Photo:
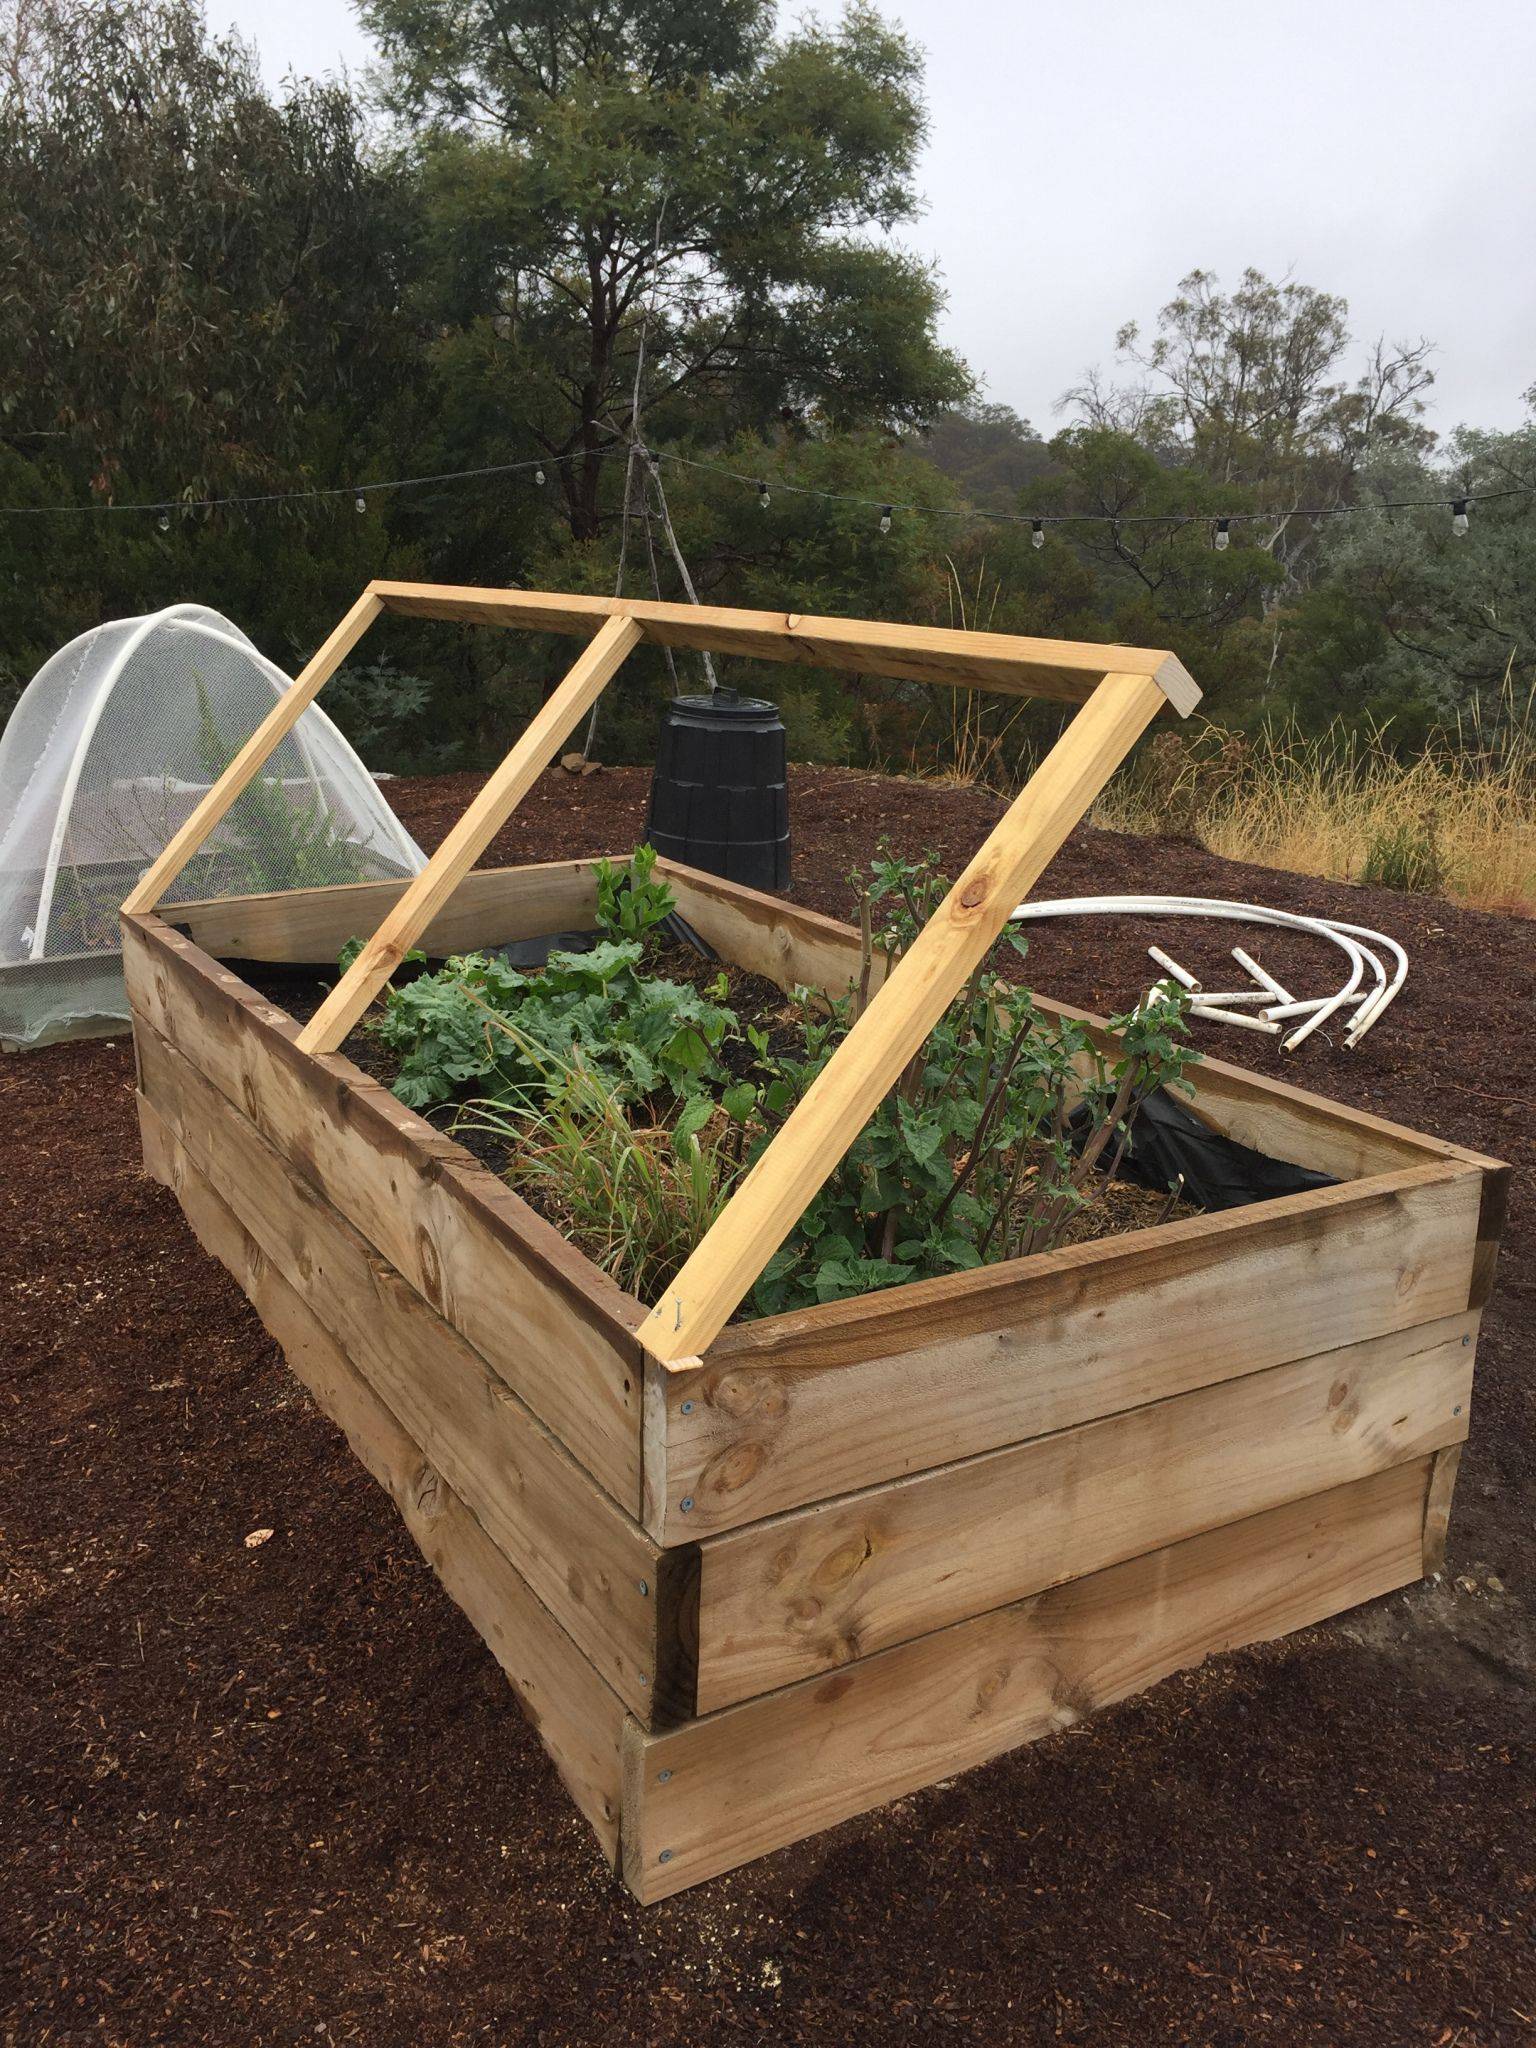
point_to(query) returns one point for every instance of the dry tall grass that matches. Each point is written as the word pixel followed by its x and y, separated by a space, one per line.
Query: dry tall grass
pixel 1458 819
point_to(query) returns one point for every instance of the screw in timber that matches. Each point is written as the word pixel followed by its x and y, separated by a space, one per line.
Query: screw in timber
pixel 1464 1343
pixel 1457 1409
pixel 685 1505
pixel 665 1856
pixel 645 1587
pixel 688 1405
pixel 663 1777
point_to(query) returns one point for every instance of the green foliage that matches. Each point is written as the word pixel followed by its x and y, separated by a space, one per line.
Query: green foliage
pixel 622 1117
pixel 630 901
pixel 585 169
pixel 1406 857
pixel 273 837
pixel 975 1154
pixel 635 1194
pixel 379 707
pixel 210 290
pixel 478 1023
pixel 230 291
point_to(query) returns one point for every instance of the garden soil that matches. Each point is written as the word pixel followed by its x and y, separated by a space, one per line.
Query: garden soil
pixel 263 1785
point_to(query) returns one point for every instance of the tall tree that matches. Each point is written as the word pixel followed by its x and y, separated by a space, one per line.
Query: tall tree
pixel 201 303
pixel 204 270
pixel 599 170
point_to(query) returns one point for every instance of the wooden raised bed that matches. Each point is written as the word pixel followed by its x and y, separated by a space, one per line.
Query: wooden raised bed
pixel 750 1579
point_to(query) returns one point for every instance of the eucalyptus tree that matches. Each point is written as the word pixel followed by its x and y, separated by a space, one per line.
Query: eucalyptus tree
pixel 596 172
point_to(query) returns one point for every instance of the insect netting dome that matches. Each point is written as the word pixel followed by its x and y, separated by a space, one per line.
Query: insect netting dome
pixel 110 747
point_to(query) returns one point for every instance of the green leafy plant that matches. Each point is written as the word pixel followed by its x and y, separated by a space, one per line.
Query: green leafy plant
pixel 631 903
pixel 987 1146
pixel 471 1024
pixel 1406 856
pixel 272 837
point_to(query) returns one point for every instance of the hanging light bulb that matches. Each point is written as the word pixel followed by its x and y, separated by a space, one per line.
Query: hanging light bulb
pixel 885 518
pixel 762 495
pixel 538 474
pixel 360 503
pixel 1459 517
pixel 1223 535
pixel 164 522
pixel 1037 533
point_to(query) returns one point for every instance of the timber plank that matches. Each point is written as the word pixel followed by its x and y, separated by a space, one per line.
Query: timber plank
pixel 782 942
pixel 491 907
pixel 1443 1469
pixel 504 789
pixel 594 1568
pixel 1007 662
pixel 709 1795
pixel 789 945
pixel 801 1407
pixel 555 1329
pixel 814 1590
pixel 577 1717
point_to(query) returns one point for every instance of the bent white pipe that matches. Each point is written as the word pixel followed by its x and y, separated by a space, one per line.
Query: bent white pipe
pixel 1354 941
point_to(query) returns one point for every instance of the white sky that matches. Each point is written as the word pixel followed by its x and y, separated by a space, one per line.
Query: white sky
pixel 1084 156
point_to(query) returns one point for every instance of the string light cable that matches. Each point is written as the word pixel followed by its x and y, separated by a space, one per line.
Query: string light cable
pixel 1456 503
pixel 885 510
pixel 359 493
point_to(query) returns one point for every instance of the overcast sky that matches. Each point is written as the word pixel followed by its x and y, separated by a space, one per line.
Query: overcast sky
pixel 1084 157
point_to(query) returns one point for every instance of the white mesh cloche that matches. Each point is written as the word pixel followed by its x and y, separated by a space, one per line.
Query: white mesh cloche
pixel 111 746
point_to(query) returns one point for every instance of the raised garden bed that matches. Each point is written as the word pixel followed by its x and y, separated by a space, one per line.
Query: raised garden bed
pixel 749 1588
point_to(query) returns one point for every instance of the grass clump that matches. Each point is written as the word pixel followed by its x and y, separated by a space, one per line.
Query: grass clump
pixel 1458 818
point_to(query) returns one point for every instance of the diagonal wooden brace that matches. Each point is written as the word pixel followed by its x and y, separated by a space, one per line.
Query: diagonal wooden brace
pixel 431 889
pixel 843 1097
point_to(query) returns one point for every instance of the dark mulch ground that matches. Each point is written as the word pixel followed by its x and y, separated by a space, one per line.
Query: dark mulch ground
pixel 280 1794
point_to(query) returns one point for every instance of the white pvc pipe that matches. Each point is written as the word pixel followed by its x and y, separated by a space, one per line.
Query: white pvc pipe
pixel 1179 973
pixel 1261 975
pixel 1220 1016
pixel 1368 1011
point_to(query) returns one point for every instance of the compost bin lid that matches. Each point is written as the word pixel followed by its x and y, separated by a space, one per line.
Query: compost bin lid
pixel 727 704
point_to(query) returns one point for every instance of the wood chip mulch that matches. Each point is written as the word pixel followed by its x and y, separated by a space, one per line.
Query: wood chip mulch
pixel 275 1791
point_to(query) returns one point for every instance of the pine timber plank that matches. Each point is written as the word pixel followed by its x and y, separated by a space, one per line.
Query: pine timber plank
pixel 715 1792
pixel 491 907
pixel 424 896
pixel 1443 1468
pixel 1063 669
pixel 781 941
pixel 790 945
pixel 577 1717
pixel 808 1592
pixel 801 1407
pixel 819 1129
pixel 584 1558
pixel 555 1329
pixel 253 756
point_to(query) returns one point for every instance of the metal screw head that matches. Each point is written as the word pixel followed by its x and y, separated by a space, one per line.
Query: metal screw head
pixel 1466 1340
pixel 688 1405
pixel 685 1505
pixel 1457 1409
pixel 665 1856
pixel 644 1585
pixel 663 1777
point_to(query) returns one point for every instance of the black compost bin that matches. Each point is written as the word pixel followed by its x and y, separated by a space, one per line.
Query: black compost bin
pixel 718 797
